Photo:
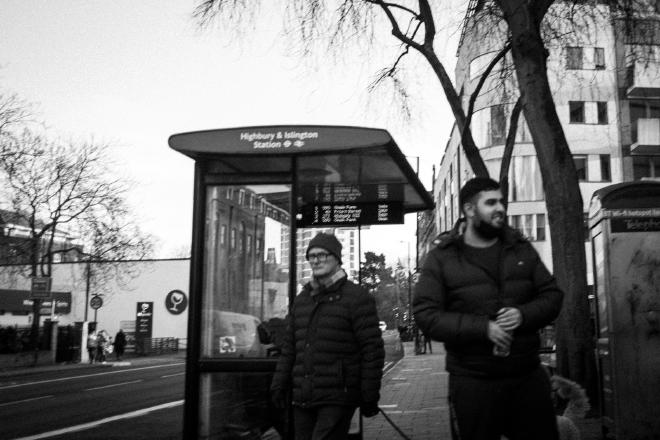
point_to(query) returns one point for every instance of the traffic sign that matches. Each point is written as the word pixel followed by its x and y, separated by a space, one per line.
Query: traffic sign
pixel 40 288
pixel 96 302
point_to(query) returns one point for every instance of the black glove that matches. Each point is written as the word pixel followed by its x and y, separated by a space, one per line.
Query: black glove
pixel 278 397
pixel 369 409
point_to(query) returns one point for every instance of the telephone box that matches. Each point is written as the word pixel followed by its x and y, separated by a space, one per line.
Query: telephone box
pixel 624 220
pixel 258 194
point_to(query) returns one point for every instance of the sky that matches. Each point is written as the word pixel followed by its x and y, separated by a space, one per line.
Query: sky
pixel 130 74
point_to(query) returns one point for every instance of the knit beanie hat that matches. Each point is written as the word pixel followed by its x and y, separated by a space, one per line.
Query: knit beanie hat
pixel 328 242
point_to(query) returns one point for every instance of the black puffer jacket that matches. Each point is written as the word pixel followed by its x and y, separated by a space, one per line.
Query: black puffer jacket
pixel 333 351
pixel 455 298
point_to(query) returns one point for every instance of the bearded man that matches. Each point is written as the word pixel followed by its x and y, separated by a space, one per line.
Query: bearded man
pixel 486 294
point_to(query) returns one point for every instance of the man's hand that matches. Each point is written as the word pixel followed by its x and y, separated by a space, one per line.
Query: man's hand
pixel 509 318
pixel 278 397
pixel 498 335
pixel 369 409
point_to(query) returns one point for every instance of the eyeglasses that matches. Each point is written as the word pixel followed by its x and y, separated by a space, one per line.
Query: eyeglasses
pixel 318 256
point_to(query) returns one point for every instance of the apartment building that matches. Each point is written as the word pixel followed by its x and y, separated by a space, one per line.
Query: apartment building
pixel 604 71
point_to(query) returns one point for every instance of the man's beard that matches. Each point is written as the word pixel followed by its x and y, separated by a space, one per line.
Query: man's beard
pixel 487 231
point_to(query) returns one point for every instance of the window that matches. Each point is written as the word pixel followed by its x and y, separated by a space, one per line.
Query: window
pixel 574 58
pixel 233 238
pixel 241 197
pixel 646 167
pixel 599 58
pixel 249 244
pixel 525 178
pixel 523 134
pixel 576 109
pixel 532 226
pixel 602 112
pixel 585 225
pixel 540 227
pixel 230 193
pixel 497 125
pixel 223 235
pixel 581 167
pixel 605 173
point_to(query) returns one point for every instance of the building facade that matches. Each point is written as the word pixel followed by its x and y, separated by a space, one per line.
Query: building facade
pixel 604 72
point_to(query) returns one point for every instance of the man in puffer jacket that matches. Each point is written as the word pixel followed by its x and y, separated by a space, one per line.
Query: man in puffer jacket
pixel 486 294
pixel 332 357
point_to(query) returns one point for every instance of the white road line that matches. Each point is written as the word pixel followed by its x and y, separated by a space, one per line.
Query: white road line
pixel 111 386
pixel 96 423
pixel 172 375
pixel 25 400
pixel 88 375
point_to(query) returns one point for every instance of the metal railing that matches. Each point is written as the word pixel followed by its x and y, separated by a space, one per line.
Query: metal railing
pixel 151 346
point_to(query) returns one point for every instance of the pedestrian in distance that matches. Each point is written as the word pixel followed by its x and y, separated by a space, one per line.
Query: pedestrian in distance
pixel 485 293
pixel 427 342
pixel 101 341
pixel 332 356
pixel 91 346
pixel 120 344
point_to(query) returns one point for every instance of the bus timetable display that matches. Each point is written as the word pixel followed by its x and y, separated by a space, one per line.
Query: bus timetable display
pixel 339 204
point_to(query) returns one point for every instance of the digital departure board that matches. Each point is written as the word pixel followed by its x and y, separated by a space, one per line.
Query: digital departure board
pixel 350 214
pixel 341 204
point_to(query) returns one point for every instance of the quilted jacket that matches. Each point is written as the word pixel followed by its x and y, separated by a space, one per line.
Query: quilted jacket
pixel 456 297
pixel 333 350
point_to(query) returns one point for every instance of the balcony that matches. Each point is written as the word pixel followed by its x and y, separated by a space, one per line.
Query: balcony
pixel 643 79
pixel 648 137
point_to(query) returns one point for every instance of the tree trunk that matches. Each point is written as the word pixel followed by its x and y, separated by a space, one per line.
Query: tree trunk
pixel 575 357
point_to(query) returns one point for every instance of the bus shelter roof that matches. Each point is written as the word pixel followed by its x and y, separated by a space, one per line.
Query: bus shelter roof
pixel 324 154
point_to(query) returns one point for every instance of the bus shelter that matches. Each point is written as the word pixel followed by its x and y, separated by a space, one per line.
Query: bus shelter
pixel 624 220
pixel 260 195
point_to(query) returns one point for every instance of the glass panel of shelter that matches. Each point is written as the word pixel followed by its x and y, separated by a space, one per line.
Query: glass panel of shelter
pixel 244 305
pixel 246 284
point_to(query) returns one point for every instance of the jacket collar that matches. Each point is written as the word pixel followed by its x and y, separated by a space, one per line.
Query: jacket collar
pixel 454 237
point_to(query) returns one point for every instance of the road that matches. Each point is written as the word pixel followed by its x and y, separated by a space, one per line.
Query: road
pixel 33 404
pixel 102 403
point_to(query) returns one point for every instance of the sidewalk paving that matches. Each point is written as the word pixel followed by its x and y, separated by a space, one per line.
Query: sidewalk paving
pixel 414 396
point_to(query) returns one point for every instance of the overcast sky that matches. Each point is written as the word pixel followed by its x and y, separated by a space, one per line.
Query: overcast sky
pixel 131 73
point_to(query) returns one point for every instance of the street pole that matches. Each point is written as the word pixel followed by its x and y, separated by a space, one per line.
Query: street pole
pixel 409 289
pixel 89 270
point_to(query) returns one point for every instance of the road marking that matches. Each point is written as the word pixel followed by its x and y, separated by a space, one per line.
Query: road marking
pixel 25 400
pixel 111 386
pixel 388 406
pixel 172 375
pixel 88 375
pixel 96 423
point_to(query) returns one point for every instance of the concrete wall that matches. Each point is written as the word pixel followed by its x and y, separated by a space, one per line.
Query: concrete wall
pixel 150 281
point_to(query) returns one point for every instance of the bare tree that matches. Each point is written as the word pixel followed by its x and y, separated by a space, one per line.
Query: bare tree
pixel 63 193
pixel 524 29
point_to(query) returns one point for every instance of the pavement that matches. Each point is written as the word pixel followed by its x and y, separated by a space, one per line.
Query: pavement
pixel 413 395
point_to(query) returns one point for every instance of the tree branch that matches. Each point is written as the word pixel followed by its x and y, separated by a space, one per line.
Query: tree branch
pixel 396 30
pixel 482 81
pixel 508 148
pixel 429 24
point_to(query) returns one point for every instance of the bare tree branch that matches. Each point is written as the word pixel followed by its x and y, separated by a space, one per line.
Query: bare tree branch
pixel 482 80
pixel 508 148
